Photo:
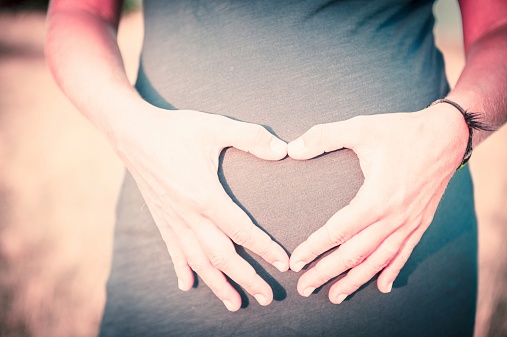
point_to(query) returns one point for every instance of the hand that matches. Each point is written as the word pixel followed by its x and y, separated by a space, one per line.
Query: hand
pixel 407 160
pixel 173 156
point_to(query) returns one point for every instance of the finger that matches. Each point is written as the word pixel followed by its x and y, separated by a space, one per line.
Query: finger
pixel 365 271
pixel 323 138
pixel 388 275
pixel 338 229
pixel 181 267
pixel 223 256
pixel 183 271
pixel 349 255
pixel 211 276
pixel 253 138
pixel 238 226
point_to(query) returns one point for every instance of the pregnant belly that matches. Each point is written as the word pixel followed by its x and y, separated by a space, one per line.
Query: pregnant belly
pixel 289 200
pixel 288 93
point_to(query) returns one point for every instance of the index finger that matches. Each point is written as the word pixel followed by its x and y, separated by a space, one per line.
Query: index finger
pixel 238 226
pixel 343 225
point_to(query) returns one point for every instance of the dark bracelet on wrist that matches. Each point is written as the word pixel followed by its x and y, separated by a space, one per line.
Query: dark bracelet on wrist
pixel 472 121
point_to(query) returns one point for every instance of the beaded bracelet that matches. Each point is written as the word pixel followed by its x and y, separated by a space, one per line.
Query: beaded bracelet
pixel 471 119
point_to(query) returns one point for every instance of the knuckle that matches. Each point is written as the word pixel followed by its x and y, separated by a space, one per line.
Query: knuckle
pixel 242 237
pixel 389 251
pixel 335 237
pixel 219 261
pixel 354 283
pixel 380 265
pixel 352 261
pixel 197 266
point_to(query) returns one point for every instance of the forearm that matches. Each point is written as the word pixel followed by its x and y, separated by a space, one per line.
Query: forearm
pixel 482 86
pixel 85 60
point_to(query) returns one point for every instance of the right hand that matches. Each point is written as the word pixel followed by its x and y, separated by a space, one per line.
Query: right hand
pixel 173 156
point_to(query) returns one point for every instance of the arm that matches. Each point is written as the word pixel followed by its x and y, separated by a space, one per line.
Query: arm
pixel 482 86
pixel 407 160
pixel 86 63
pixel 173 155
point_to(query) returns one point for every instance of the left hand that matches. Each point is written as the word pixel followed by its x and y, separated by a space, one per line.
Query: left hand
pixel 407 160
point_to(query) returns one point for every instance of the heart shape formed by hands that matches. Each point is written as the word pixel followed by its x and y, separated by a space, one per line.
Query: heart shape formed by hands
pixel 289 199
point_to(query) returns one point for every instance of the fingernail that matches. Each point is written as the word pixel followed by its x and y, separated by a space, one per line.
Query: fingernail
pixel 180 285
pixel 389 287
pixel 280 266
pixel 298 144
pixel 308 291
pixel 340 298
pixel 228 305
pixel 298 266
pixel 261 299
pixel 277 146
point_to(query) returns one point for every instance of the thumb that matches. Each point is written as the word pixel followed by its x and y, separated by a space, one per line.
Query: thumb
pixel 321 138
pixel 255 139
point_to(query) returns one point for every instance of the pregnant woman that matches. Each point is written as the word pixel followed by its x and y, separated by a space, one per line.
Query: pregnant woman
pixel 273 135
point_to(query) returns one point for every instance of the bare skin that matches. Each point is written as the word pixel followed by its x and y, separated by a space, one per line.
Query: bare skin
pixel 407 159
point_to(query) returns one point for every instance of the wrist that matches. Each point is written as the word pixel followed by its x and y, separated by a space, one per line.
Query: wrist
pixel 451 128
pixel 473 122
pixel 468 119
pixel 118 115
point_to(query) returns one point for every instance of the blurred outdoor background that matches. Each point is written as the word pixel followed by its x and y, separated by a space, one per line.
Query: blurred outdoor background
pixel 59 182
